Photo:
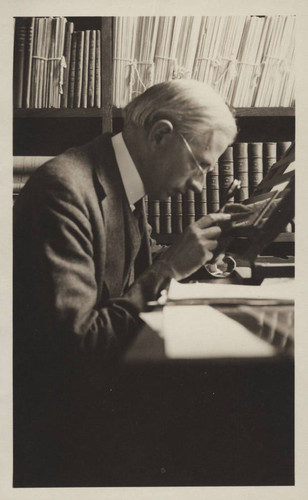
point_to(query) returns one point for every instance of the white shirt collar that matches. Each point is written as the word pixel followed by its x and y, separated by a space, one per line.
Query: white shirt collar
pixel 131 179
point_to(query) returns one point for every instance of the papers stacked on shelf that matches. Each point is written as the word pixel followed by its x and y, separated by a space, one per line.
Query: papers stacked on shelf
pixel 249 60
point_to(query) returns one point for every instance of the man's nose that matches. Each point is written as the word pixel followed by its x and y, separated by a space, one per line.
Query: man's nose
pixel 197 185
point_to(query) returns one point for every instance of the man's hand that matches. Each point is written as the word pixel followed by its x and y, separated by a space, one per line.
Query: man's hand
pixel 236 208
pixel 196 246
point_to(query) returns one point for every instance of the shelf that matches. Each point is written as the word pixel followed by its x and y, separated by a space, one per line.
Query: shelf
pixel 61 113
pixel 117 112
pixel 242 112
pixel 264 112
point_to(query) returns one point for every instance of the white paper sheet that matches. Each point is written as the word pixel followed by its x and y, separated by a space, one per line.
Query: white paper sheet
pixel 270 289
pixel 204 332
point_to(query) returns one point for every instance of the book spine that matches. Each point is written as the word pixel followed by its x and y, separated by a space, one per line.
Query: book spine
pixel 212 190
pixel 79 68
pixel 23 168
pixel 255 162
pixel 189 214
pixel 85 70
pixel 240 158
pixel 71 87
pixel 19 60
pixel 34 75
pixel 28 64
pixel 146 206
pixel 282 147
pixel 18 185
pixel 177 213
pixel 154 215
pixel 59 68
pixel 98 72
pixel 269 156
pixel 26 165
pixel 19 181
pixel 67 54
pixel 165 211
pixel 201 202
pixel 91 75
pixel 43 46
pixel 50 73
pixel 226 173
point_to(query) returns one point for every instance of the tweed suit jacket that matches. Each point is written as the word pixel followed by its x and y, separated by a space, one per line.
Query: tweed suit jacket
pixel 77 249
pixel 82 274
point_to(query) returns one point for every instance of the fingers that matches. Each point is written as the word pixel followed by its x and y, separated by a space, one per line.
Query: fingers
pixel 211 245
pixel 232 208
pixel 212 219
pixel 212 233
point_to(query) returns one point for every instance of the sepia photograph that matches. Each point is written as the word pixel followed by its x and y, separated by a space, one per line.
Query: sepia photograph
pixel 153 250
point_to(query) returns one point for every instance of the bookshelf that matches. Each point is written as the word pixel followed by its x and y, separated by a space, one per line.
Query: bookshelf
pixel 49 131
pixel 117 112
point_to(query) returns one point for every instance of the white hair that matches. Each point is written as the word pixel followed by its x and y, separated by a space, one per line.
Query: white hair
pixel 191 106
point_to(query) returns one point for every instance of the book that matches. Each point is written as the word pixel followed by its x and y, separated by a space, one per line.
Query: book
pixel 189 214
pixel 269 156
pixel 282 147
pixel 44 36
pixel 72 71
pixel 19 60
pixel 165 216
pixel 85 70
pixel 98 73
pixel 26 165
pixel 23 168
pixel 35 63
pixel 19 182
pixel 201 202
pixel 255 162
pixel 226 174
pixel 67 54
pixel 154 214
pixel 59 63
pixel 28 63
pixel 146 206
pixel 91 73
pixel 177 213
pixel 240 158
pixel 78 69
pixel 212 190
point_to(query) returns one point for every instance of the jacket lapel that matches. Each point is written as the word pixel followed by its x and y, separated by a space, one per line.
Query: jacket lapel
pixel 122 229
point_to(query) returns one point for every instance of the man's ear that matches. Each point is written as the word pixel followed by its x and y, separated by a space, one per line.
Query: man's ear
pixel 160 131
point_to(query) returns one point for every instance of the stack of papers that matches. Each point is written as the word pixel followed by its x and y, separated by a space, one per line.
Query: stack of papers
pixel 271 289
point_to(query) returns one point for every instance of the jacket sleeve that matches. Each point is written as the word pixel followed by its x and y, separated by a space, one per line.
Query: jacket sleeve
pixel 62 245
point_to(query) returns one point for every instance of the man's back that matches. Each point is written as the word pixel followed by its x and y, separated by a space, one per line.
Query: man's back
pixel 73 252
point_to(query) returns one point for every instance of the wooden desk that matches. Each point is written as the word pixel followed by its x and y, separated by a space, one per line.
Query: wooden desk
pixel 203 422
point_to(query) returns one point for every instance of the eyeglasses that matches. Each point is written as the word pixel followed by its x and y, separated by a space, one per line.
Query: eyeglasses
pixel 202 170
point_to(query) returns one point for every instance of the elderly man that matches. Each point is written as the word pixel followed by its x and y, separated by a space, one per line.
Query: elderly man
pixel 83 268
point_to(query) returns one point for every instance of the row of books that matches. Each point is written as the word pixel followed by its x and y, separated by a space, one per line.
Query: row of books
pixel 249 60
pixel 55 66
pixel 247 162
